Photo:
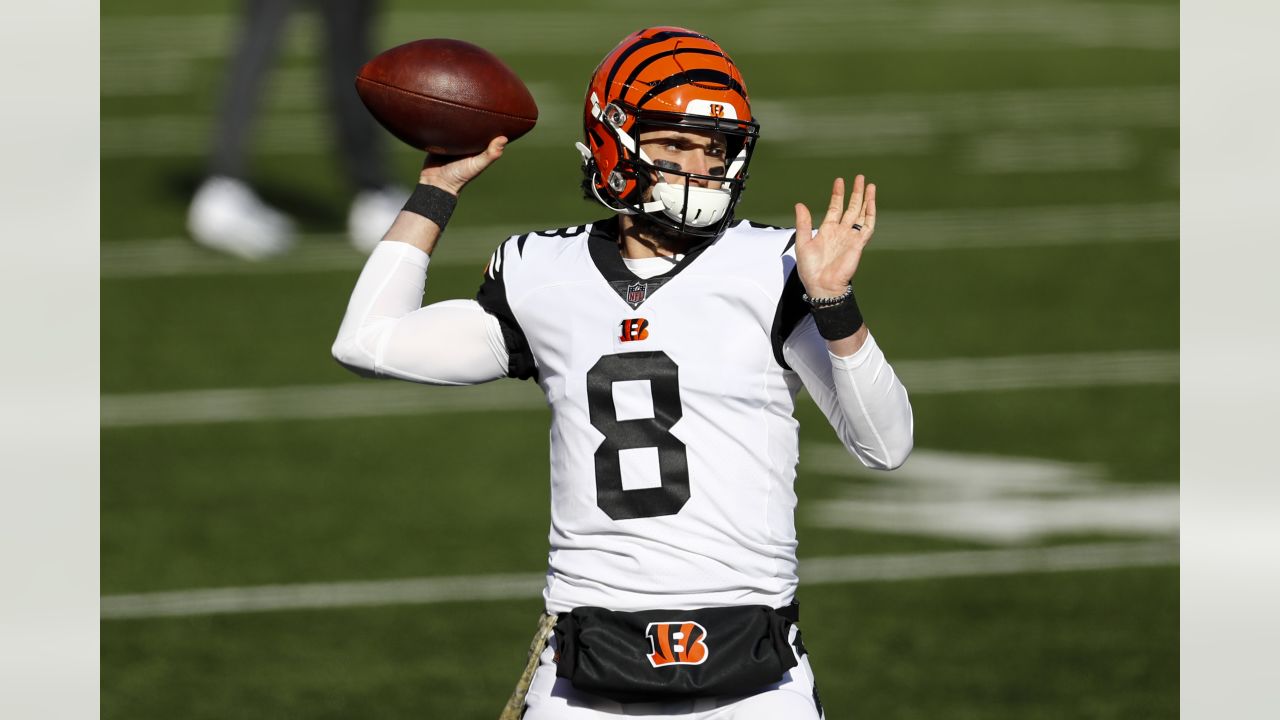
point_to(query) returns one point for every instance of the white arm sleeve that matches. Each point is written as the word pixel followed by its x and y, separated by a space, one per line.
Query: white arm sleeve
pixel 860 395
pixel 387 333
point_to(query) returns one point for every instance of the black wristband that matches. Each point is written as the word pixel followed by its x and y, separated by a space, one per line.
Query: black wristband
pixel 839 321
pixel 432 203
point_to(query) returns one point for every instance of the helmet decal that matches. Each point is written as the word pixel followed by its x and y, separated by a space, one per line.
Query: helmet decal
pixel 718 110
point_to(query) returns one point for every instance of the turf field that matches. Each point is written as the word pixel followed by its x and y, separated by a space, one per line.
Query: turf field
pixel 282 539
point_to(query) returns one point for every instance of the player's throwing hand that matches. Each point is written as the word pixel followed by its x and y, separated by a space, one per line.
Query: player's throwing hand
pixel 452 172
pixel 827 260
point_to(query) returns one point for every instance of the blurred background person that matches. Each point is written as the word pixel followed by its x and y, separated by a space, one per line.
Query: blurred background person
pixel 226 213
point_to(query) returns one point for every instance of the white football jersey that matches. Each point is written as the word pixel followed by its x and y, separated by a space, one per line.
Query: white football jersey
pixel 673 445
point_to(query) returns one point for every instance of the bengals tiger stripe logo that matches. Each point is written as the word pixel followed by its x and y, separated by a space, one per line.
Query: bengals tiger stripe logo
pixel 633 329
pixel 677 643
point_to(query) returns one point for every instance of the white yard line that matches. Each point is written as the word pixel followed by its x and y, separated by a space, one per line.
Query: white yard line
pixel 378 399
pixel 321 595
pixel 313 402
pixel 987 228
pixel 1027 372
pixel 1005 153
pixel 474 588
pixel 913 123
pixel 178 256
pixel 991 499
pixel 887 123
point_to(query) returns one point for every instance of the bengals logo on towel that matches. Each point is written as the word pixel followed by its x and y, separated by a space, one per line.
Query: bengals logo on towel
pixel 676 643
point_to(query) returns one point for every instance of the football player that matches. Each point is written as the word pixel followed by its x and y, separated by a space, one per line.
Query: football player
pixel 671 339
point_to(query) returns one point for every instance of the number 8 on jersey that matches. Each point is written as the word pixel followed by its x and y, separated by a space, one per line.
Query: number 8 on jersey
pixel 673 463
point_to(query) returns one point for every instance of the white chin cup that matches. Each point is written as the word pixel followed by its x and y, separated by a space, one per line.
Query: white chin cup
pixel 706 206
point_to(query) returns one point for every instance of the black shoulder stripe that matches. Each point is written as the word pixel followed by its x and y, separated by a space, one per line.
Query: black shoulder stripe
pixel 790 243
pixel 791 310
pixel 492 296
pixel 564 232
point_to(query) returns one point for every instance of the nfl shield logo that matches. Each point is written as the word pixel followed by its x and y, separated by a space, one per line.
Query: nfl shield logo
pixel 636 293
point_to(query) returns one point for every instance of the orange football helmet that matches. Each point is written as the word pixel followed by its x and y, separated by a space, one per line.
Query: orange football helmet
pixel 666 78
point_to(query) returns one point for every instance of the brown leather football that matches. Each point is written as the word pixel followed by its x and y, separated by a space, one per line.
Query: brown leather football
pixel 446 96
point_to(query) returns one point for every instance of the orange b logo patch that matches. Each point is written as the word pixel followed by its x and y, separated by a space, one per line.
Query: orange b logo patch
pixel 633 329
pixel 677 643
pixel 717 110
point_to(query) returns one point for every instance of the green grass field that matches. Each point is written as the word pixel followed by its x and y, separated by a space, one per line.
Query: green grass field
pixel 1023 279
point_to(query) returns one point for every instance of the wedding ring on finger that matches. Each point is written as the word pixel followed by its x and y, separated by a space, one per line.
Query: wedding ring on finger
pixel 856 226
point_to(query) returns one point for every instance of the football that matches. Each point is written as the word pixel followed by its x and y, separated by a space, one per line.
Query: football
pixel 446 96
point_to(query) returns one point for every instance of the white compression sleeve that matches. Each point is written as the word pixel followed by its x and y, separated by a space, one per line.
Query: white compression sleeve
pixel 861 396
pixel 387 333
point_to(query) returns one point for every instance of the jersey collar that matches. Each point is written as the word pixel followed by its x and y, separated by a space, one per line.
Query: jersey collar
pixel 631 288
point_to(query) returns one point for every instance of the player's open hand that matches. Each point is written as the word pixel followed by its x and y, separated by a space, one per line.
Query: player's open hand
pixel 453 172
pixel 827 260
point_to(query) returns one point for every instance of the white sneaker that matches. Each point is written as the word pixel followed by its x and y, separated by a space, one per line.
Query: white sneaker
pixel 227 215
pixel 371 215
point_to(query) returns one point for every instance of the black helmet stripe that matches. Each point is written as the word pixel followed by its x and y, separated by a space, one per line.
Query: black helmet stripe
pixel 645 42
pixel 596 136
pixel 678 51
pixel 692 77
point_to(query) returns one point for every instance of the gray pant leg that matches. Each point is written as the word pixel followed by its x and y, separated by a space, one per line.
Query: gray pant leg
pixel 260 33
pixel 348 29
